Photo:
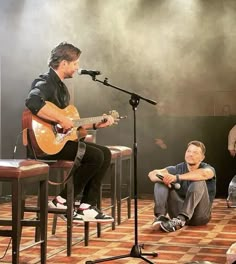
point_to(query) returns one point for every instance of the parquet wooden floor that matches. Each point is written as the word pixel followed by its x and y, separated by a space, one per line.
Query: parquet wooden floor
pixel 203 243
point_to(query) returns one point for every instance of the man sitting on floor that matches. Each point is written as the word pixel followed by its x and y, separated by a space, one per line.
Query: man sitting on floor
pixel 189 203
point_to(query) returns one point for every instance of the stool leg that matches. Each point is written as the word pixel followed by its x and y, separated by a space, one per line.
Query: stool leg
pixel 86 233
pixel 86 228
pixel 129 187
pixel 113 193
pixel 118 190
pixel 125 164
pixel 38 228
pixel 62 173
pixel 54 224
pixel 16 219
pixel 70 208
pixel 43 219
pixel 23 202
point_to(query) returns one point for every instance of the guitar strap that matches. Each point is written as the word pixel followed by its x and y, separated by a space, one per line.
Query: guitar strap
pixel 77 162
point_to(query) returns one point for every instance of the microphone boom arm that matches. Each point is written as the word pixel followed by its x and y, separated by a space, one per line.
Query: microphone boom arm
pixel 134 97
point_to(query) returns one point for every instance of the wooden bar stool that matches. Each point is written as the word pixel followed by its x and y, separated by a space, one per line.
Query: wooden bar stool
pixel 91 137
pixel 124 179
pixel 20 173
pixel 63 166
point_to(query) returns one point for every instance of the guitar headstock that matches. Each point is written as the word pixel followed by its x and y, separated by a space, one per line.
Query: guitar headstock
pixel 116 116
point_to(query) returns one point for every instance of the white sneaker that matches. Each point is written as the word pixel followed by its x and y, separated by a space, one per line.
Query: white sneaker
pixel 58 202
pixel 76 218
pixel 93 214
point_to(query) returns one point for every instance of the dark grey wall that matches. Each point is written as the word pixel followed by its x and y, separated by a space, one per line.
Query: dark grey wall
pixel 179 52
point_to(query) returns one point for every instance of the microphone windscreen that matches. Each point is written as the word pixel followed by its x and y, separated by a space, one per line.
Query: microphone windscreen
pixel 80 71
pixel 177 186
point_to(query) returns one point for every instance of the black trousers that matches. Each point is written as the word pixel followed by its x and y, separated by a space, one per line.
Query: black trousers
pixel 88 177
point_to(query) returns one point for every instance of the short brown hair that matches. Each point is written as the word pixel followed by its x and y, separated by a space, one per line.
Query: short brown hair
pixel 63 51
pixel 198 144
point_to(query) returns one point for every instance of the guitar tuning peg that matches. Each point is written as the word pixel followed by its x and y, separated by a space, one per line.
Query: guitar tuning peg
pixel 123 117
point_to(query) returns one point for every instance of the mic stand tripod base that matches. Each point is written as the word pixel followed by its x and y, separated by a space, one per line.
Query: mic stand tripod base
pixel 134 253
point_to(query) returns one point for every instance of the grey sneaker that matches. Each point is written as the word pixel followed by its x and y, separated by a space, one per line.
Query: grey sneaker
pixel 157 221
pixel 172 225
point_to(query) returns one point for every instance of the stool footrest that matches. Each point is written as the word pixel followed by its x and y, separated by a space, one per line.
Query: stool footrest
pixel 57 211
pixel 6 233
pixel 24 222
pixel 31 209
pixel 108 207
pixel 5 222
pixel 50 210
pixel 125 198
pixel 30 222
pixel 32 245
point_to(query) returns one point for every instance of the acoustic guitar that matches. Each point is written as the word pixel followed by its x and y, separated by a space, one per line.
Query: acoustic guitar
pixel 47 137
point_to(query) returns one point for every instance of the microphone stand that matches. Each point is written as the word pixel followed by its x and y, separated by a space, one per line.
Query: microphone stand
pixel 136 251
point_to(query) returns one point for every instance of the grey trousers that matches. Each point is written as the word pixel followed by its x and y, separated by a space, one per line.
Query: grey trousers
pixel 196 206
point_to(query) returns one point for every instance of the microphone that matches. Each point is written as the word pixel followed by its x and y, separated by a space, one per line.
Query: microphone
pixel 175 185
pixel 88 72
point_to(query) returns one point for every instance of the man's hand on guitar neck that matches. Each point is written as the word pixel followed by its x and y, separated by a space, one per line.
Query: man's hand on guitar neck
pixel 107 121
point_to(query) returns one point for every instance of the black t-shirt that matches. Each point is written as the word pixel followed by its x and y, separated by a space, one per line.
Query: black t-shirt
pixel 47 87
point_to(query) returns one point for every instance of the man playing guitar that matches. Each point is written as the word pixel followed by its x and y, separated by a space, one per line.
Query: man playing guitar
pixel 47 100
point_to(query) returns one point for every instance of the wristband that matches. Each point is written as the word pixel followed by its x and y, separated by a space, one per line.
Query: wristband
pixel 177 177
pixel 94 126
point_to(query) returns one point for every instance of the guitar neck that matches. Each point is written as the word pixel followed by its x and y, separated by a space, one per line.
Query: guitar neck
pixel 87 121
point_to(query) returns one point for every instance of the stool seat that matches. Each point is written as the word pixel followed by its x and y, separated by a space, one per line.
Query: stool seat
pixel 115 153
pixel 66 164
pixel 10 168
pixel 124 151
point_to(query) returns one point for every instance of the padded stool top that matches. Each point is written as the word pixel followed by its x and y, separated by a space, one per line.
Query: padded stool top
pixel 59 163
pixel 21 168
pixel 115 153
pixel 125 151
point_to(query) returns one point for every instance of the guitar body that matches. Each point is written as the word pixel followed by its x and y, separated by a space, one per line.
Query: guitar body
pixel 47 138
pixel 43 136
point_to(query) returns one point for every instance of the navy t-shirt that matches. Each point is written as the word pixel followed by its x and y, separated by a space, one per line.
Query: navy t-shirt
pixel 182 168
